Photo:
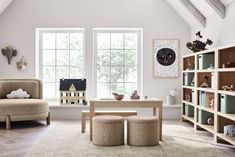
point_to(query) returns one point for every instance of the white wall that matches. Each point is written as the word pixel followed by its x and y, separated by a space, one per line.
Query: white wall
pixel 156 17
pixel 221 31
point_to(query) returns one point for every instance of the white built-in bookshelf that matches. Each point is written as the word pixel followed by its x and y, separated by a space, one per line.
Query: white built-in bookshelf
pixel 217 66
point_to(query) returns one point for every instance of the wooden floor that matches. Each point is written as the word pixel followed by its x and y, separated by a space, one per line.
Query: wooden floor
pixel 23 135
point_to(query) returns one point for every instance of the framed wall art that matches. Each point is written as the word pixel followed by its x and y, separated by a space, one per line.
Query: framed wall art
pixel 165 58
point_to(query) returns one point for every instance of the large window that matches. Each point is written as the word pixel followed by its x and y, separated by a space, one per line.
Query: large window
pixel 61 55
pixel 117 61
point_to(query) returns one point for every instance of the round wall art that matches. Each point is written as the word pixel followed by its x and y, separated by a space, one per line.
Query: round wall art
pixel 165 58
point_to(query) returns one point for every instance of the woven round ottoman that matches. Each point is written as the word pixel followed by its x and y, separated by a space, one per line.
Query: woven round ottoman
pixel 142 131
pixel 108 130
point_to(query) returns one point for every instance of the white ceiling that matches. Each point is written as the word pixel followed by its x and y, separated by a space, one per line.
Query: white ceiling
pixel 226 2
pixel 4 4
pixel 201 5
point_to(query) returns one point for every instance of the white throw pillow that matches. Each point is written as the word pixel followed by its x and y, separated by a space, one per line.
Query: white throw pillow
pixel 18 94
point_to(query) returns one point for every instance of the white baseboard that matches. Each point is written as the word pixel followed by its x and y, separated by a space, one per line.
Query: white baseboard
pixel 66 112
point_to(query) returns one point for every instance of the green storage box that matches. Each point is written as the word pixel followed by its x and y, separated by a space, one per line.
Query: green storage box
pixel 227 103
pixel 188 79
pixel 189 111
pixel 203 116
pixel 205 61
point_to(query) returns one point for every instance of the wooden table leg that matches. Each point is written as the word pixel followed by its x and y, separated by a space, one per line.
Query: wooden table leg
pixel 83 122
pixel 155 114
pixel 154 111
pixel 160 120
pixel 92 114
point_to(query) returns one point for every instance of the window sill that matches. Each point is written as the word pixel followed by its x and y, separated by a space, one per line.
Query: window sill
pixel 58 105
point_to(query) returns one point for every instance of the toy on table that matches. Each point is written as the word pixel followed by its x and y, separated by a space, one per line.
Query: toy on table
pixel 134 95
pixel 118 96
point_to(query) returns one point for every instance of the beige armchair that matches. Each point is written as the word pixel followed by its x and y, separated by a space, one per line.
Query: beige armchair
pixel 33 108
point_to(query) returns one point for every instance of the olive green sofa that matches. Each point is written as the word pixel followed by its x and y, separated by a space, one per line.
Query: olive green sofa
pixel 33 108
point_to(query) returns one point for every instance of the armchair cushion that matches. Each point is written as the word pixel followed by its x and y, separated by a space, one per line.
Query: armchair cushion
pixel 23 106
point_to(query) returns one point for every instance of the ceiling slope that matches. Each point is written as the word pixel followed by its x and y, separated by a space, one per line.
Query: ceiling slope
pixel 195 12
pixel 4 4
pixel 185 12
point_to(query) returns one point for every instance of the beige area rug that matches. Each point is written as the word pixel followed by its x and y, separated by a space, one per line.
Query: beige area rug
pixel 67 141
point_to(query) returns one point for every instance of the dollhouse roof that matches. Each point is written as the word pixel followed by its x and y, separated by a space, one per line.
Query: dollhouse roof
pixel 79 84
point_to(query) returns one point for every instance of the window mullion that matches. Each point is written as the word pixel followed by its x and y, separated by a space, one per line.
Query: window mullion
pixel 124 59
pixel 69 58
pixel 55 63
pixel 110 71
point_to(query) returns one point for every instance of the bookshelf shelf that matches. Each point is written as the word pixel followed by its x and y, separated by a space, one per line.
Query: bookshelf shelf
pixel 188 103
pixel 205 71
pixel 227 115
pixel 206 89
pixel 219 69
pixel 232 93
pixel 226 70
pixel 191 119
pixel 209 128
pixel 231 140
pixel 188 87
pixel 206 109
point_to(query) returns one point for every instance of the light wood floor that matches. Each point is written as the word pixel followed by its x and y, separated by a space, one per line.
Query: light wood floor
pixel 23 135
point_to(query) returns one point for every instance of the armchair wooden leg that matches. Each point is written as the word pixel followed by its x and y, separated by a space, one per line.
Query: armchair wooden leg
pixel 49 119
pixel 83 122
pixel 8 122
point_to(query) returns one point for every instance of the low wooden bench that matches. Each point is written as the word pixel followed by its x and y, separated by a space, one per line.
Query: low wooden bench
pixel 124 113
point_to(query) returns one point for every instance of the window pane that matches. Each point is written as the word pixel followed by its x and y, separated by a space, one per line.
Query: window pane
pixel 129 88
pixel 117 88
pixel 49 73
pixel 103 57
pixel 62 41
pixel 62 57
pixel 62 72
pixel 117 62
pixel 76 57
pixel 75 72
pixel 117 41
pixel 117 74
pixel 131 41
pixel 49 90
pixel 131 57
pixel 117 57
pixel 76 41
pixel 103 41
pixel 103 73
pixel 57 89
pixel 48 41
pixel 103 90
pixel 130 74
pixel 48 57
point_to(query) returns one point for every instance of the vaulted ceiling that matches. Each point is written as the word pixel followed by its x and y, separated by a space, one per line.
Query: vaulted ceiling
pixel 196 12
pixel 4 4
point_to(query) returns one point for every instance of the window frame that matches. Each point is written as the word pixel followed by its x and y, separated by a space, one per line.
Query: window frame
pixel 139 32
pixel 39 47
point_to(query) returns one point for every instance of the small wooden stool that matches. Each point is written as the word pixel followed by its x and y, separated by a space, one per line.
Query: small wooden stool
pixel 108 130
pixel 124 113
pixel 142 131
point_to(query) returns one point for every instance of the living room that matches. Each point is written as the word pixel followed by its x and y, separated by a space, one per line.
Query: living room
pixel 160 73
